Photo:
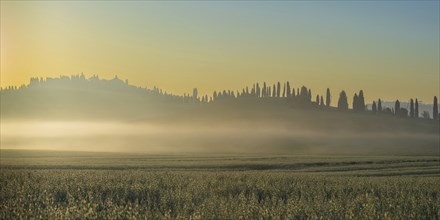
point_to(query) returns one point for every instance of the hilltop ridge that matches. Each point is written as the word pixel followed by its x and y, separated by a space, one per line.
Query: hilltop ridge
pixel 226 122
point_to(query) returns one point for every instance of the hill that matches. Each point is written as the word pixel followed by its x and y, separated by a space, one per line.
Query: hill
pixel 111 115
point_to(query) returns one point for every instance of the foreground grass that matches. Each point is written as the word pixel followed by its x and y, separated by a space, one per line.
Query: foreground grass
pixel 218 187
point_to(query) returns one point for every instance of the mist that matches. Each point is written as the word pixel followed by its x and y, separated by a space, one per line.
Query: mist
pixel 205 138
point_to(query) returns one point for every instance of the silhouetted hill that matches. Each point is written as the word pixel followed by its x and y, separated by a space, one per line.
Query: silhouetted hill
pixel 247 121
pixel 77 97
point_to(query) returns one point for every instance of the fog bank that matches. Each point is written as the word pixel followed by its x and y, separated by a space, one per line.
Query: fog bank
pixel 227 137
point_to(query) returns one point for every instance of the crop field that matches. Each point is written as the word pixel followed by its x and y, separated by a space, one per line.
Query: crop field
pixel 71 185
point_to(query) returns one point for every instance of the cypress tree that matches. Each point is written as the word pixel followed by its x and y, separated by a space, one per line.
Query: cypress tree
pixel 288 89
pixel 374 108
pixel 284 90
pixel 258 90
pixel 322 100
pixel 309 97
pixel 264 89
pixel 342 102
pixel 355 103
pixel 416 110
pixel 278 89
pixel 214 96
pixel 379 106
pixel 304 94
pixel 361 101
pixel 317 99
pixel 435 110
pixel 411 108
pixel 328 98
pixel 274 90
pixel 195 95
pixel 396 107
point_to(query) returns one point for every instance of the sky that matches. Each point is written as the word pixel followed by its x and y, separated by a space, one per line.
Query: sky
pixel 390 49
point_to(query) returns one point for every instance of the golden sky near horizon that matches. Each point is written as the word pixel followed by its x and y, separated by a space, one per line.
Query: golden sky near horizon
pixel 388 49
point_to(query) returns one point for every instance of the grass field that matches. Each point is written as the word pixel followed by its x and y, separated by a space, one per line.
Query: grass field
pixel 60 185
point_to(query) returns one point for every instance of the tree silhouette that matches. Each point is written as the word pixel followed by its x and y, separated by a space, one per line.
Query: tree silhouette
pixel 379 106
pixel 195 94
pixel 303 95
pixel 278 89
pixel 355 103
pixel 274 90
pixel 374 107
pixel 361 101
pixel 258 90
pixel 435 110
pixel 288 89
pixel 328 98
pixel 416 110
pixel 284 90
pixel 411 108
pixel 309 95
pixel 342 102
pixel 396 107
pixel 214 96
pixel 264 89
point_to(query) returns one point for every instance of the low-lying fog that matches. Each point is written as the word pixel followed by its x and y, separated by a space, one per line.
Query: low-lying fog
pixel 276 138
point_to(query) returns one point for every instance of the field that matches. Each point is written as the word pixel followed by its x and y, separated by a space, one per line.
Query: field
pixel 60 185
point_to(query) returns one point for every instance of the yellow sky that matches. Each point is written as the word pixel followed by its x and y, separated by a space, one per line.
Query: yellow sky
pixel 228 45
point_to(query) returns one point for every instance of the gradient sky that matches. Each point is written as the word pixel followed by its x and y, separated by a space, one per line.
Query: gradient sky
pixel 389 49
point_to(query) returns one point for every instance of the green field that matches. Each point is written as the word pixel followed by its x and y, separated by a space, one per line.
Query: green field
pixel 60 185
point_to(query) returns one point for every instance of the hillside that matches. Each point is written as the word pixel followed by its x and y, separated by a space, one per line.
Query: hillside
pixel 111 115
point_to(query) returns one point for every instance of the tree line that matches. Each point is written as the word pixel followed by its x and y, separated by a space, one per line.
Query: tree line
pixel 303 96
pixel 300 96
